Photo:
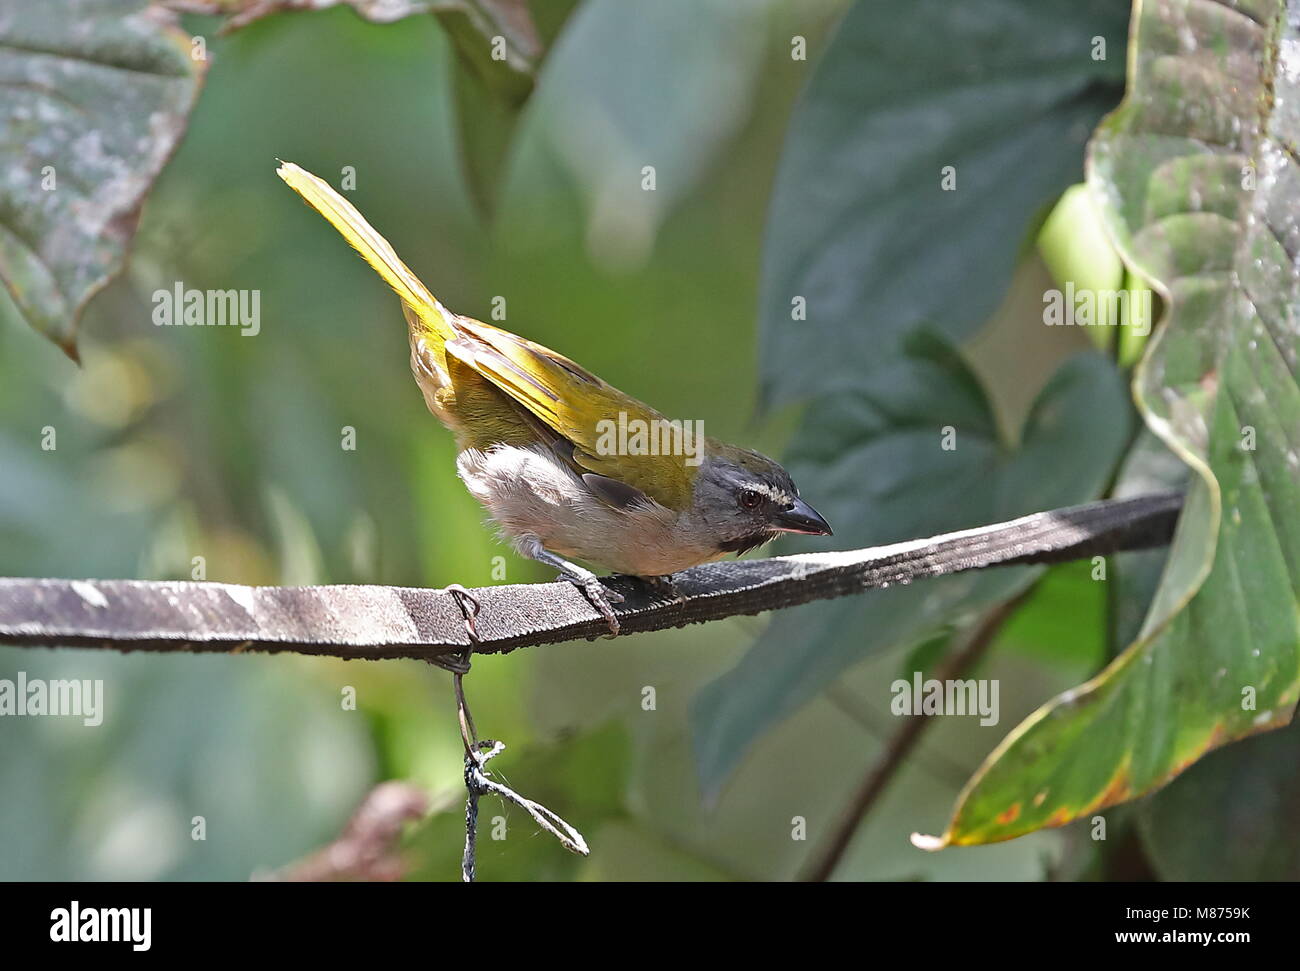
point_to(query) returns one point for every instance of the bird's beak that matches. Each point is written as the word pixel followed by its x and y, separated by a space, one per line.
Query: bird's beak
pixel 801 518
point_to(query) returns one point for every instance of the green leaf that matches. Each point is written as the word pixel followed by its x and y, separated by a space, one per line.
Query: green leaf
pixel 490 90
pixel 1135 575
pixel 634 145
pixel 877 455
pixel 96 94
pixel 1062 621
pixel 1235 815
pixel 498 42
pixel 1210 115
pixel 499 45
pixel 861 228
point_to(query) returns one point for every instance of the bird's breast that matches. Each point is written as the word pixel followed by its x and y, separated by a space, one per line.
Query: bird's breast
pixel 528 491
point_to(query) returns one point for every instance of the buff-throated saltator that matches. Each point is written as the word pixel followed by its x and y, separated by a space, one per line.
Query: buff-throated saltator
pixel 526 421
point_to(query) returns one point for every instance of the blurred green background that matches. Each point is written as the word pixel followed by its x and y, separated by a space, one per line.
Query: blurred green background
pixel 182 442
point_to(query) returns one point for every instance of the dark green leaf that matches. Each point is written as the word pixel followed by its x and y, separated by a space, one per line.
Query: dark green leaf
pixel 876 456
pixel 1233 816
pixel 1003 91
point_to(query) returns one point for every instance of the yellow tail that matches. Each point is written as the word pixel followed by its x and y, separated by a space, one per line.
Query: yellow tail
pixel 376 250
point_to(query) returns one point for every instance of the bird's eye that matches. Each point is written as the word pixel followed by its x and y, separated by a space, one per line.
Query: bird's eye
pixel 750 499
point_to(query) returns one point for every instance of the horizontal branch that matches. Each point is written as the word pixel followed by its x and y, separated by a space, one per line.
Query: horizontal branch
pixel 391 622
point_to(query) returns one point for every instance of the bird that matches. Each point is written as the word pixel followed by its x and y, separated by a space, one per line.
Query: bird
pixel 565 464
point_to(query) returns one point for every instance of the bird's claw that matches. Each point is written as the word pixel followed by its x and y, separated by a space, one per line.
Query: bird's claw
pixel 601 597
pixel 665 587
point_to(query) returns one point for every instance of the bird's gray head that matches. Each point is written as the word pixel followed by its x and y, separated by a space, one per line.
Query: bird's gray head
pixel 744 499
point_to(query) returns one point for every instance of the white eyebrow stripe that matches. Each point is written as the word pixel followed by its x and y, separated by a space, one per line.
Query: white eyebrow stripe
pixel 776 495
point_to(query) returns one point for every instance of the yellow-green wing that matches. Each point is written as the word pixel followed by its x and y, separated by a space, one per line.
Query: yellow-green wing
pixel 576 405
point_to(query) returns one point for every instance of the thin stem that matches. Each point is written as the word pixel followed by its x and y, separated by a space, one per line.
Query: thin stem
pixel 877 779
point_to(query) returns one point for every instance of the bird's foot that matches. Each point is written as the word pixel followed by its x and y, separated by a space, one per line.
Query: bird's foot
pixel 600 596
pixel 665 587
